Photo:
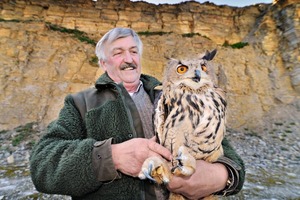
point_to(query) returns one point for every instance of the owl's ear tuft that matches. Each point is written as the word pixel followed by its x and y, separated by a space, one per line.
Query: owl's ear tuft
pixel 210 55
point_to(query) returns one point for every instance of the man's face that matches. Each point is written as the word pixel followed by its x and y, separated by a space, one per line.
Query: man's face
pixel 122 61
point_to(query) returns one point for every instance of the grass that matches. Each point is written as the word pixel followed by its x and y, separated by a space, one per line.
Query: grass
pixel 81 36
pixel 3 131
pixel 278 123
pixel 238 45
pixel 190 35
pixel 13 171
pixel 288 131
pixel 148 33
pixel 10 20
pixel 253 134
pixel 94 60
pixel 23 132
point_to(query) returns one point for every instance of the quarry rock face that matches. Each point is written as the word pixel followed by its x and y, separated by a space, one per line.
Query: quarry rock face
pixel 40 65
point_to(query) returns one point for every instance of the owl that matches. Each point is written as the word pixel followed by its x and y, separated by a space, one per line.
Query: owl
pixel 189 119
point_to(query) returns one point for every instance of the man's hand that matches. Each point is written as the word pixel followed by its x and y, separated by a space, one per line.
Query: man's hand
pixel 207 179
pixel 130 155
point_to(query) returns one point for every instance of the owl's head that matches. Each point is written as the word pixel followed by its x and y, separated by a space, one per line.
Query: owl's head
pixel 191 73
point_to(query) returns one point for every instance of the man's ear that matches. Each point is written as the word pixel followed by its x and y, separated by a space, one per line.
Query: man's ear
pixel 102 64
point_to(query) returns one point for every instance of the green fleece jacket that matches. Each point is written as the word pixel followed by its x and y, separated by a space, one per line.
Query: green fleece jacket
pixel 63 161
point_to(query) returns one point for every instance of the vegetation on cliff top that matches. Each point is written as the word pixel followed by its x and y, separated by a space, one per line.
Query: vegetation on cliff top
pixel 237 45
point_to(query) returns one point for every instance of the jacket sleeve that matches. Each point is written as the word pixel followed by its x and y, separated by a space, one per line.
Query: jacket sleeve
pixel 62 161
pixel 235 167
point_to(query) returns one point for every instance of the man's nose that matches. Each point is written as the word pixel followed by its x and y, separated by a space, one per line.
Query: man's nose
pixel 127 57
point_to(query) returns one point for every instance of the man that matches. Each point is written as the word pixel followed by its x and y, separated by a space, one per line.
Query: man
pixel 96 147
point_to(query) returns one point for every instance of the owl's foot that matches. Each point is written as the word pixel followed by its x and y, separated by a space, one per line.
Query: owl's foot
pixel 155 169
pixel 186 163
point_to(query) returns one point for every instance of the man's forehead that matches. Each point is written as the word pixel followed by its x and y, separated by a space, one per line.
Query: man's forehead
pixel 123 48
pixel 123 43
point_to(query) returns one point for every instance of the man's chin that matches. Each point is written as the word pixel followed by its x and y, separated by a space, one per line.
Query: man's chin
pixel 131 73
pixel 131 79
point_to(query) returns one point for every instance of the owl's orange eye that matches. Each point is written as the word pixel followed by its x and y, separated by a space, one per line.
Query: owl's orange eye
pixel 204 68
pixel 181 69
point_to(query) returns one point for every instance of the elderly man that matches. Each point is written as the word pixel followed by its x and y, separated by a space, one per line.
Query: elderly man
pixel 96 147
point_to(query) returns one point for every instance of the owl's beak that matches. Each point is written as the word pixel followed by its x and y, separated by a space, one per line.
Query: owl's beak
pixel 197 76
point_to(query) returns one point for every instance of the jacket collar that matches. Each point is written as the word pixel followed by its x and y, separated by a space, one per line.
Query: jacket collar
pixel 149 82
pixel 103 79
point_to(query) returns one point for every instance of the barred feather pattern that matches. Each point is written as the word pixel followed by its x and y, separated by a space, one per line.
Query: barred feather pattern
pixel 193 118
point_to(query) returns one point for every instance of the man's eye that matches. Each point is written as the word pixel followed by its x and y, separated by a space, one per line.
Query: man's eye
pixel 117 53
pixel 134 51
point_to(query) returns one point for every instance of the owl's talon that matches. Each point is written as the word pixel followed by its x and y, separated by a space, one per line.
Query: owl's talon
pixel 175 169
pixel 156 170
pixel 149 177
pixel 148 172
pixel 186 163
pixel 180 158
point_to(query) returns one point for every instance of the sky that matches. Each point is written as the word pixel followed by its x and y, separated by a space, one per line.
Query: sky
pixel 236 3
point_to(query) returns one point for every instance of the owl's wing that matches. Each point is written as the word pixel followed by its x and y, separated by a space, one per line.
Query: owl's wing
pixel 159 119
pixel 210 132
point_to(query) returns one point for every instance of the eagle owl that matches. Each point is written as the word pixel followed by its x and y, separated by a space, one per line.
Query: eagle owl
pixel 189 119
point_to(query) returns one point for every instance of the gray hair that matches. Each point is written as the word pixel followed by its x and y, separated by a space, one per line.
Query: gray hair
pixel 113 35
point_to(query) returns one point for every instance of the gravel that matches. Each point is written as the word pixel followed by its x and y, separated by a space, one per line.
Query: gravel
pixel 271 158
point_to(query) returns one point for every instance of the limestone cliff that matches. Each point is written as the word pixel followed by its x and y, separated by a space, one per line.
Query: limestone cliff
pixel 41 64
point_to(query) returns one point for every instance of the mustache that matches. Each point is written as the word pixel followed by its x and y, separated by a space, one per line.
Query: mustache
pixel 128 65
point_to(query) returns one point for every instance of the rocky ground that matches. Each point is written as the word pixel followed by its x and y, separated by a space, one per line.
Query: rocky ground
pixel 272 162
pixel 271 157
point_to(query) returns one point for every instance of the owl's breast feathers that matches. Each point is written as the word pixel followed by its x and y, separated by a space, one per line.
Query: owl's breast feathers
pixel 195 119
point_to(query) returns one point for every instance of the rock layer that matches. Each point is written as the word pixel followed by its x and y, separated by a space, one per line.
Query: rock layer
pixel 39 65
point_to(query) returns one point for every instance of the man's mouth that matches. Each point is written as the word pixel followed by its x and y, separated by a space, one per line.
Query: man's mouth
pixel 128 67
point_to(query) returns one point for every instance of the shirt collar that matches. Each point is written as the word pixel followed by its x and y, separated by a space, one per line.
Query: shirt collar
pixel 137 89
